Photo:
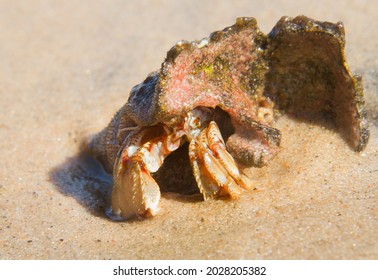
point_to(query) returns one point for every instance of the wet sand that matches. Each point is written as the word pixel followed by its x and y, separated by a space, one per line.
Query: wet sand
pixel 67 66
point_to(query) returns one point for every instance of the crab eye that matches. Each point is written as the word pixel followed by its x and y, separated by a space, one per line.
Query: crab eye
pixel 195 123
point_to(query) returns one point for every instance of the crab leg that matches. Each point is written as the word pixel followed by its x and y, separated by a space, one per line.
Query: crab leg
pixel 135 192
pixel 217 145
pixel 214 168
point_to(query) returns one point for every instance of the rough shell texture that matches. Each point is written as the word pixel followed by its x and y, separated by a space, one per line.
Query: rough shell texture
pixel 298 68
pixel 309 78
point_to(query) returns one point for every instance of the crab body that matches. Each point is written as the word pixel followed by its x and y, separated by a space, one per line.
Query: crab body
pixel 249 77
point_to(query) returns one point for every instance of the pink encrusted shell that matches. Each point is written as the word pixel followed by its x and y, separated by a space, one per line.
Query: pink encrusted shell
pixel 298 68
pixel 248 77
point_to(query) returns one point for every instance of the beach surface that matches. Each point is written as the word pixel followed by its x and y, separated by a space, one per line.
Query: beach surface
pixel 67 66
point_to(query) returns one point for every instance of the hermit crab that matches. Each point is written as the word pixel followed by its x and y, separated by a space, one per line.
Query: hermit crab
pixel 221 95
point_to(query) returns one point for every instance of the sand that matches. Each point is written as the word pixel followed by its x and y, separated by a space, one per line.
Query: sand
pixel 67 66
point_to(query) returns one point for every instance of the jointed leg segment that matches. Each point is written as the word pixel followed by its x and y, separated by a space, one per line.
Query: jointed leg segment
pixel 215 170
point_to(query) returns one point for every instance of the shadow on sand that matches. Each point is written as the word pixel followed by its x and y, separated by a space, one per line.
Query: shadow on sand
pixel 83 178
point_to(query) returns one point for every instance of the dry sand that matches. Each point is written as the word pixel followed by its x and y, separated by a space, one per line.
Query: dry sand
pixel 67 66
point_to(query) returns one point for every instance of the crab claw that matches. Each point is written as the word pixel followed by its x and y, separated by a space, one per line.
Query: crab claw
pixel 214 168
pixel 135 192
